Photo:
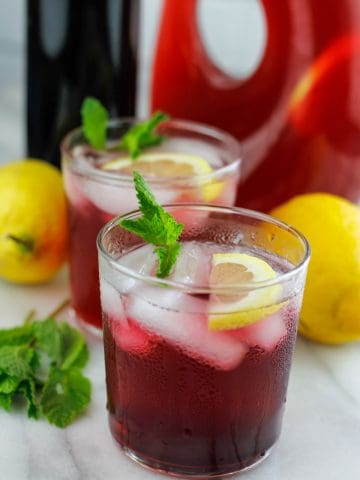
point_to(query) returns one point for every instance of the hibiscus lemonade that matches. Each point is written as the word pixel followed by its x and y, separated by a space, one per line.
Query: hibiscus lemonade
pixel 194 163
pixel 296 114
pixel 197 364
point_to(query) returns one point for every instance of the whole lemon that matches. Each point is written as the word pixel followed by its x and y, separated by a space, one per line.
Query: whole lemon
pixel 33 221
pixel 331 306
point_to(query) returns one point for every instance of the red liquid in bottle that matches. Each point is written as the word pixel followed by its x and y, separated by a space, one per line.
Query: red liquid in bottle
pixel 297 116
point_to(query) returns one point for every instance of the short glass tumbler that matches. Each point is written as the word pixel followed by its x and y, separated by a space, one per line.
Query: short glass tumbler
pixel 95 195
pixel 188 395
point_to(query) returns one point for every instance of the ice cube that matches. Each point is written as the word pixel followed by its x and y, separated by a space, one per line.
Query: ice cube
pixel 127 335
pixel 266 333
pixel 112 199
pixel 110 300
pixel 182 321
pixel 141 261
pixel 165 195
pixel 192 265
pixel 117 199
pixel 131 337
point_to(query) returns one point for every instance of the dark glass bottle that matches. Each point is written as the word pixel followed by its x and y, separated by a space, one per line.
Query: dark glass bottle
pixel 74 49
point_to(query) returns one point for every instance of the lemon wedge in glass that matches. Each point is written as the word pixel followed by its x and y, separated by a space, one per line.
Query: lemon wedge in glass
pixel 231 309
pixel 170 164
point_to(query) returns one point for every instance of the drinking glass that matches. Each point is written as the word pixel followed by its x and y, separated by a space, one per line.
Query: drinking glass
pixel 197 373
pixel 95 195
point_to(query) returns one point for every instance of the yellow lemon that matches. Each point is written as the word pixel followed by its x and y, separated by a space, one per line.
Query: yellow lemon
pixel 331 306
pixel 33 221
pixel 230 309
pixel 171 164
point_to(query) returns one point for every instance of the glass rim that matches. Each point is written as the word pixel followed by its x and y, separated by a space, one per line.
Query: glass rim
pixel 103 176
pixel 202 289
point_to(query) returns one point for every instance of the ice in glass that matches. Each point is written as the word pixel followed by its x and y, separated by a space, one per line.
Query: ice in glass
pixel 195 163
pixel 197 364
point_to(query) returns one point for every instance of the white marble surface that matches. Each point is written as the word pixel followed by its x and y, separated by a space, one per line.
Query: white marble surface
pixel 320 438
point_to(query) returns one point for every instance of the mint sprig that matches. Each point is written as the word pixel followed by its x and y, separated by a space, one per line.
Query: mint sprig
pixel 143 135
pixel 95 118
pixel 156 226
pixel 65 394
pixel 41 361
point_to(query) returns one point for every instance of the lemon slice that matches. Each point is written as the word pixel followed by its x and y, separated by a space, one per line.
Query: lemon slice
pixel 233 310
pixel 170 164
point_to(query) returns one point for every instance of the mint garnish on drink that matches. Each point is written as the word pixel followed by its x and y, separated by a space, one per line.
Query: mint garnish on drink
pixel 95 118
pixel 156 226
pixel 41 361
pixel 142 135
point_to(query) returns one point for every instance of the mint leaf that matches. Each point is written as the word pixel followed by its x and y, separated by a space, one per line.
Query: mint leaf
pixel 35 361
pixel 156 226
pixel 8 384
pixel 143 135
pixel 47 337
pixel 147 201
pixel 31 355
pixel 17 361
pixel 157 221
pixel 27 388
pixel 151 230
pixel 167 258
pixel 94 122
pixel 11 386
pixel 66 394
pixel 16 336
pixel 95 119
pixel 5 401
pixel 82 358
pixel 73 348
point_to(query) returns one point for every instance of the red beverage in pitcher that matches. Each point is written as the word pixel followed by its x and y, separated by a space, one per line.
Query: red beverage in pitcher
pixel 297 115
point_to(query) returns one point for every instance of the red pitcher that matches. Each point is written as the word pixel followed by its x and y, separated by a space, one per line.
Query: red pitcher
pixel 297 115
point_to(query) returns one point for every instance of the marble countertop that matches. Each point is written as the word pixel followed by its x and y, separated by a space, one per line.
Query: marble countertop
pixel 321 430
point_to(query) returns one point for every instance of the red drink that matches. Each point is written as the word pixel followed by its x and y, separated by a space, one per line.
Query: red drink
pixel 295 116
pixel 166 405
pixel 96 194
pixel 184 397
pixel 85 222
